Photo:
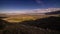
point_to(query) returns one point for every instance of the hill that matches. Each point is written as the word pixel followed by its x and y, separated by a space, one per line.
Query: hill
pixel 50 23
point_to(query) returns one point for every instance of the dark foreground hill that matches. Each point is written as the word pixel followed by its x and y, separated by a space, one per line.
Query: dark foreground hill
pixel 2 24
pixel 50 25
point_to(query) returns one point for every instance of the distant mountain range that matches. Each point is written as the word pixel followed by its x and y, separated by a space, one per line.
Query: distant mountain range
pixel 53 12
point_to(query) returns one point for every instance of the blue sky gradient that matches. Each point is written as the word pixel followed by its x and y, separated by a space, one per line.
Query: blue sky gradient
pixel 28 4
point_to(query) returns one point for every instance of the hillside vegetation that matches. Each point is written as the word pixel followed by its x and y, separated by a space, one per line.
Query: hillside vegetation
pixel 50 23
pixel 47 25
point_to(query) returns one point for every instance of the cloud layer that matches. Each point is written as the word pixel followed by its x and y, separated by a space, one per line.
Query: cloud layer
pixel 31 11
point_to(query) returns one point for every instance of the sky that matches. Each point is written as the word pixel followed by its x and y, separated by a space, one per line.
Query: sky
pixel 19 5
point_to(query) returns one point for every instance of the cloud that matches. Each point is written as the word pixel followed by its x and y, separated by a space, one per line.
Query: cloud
pixel 43 10
pixel 39 1
pixel 31 11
